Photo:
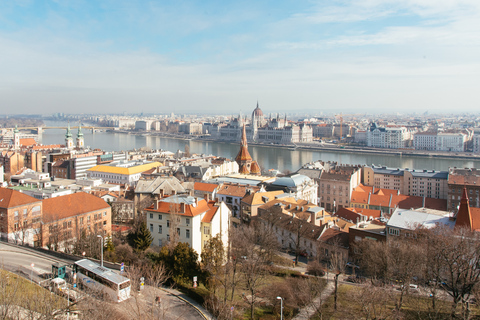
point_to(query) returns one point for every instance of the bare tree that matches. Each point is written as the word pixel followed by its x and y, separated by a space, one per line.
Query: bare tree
pixel 337 259
pixel 145 301
pixel 456 261
pixel 255 246
pixel 374 301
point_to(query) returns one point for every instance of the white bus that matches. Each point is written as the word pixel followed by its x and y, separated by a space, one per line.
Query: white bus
pixel 102 280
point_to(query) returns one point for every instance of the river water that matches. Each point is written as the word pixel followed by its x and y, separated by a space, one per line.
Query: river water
pixel 268 157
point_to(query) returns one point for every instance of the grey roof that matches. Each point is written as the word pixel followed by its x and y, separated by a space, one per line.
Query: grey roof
pixel 427 218
pixel 188 200
pixel 315 209
pixel 102 271
pixel 292 181
pixel 389 171
pixel 167 184
pixel 430 174
pixel 240 181
pixel 312 173
pixel 416 173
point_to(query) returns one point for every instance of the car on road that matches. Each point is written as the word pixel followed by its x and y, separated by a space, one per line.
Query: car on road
pixel 352 265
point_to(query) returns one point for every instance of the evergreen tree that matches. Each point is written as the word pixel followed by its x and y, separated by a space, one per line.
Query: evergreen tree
pixel 140 239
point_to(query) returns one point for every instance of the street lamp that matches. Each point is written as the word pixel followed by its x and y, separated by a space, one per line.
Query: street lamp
pixel 31 274
pixel 281 307
pixel 101 248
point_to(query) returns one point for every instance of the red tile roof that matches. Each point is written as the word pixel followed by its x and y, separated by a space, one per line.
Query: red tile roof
pixel 467 217
pixel 11 198
pixel 71 205
pixel 201 186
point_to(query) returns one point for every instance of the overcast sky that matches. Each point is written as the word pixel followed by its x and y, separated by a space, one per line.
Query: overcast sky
pixel 355 56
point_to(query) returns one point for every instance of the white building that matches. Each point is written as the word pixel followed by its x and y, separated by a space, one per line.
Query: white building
pixel 425 141
pixel 451 142
pixel 298 185
pixel 192 219
pixel 123 172
pixel 388 137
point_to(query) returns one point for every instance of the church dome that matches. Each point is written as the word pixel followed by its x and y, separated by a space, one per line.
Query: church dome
pixel 257 112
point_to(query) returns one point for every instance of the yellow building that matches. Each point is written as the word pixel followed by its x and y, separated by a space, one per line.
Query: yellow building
pixel 125 172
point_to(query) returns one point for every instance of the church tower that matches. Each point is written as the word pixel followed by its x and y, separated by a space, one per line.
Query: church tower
pixel 80 140
pixel 243 158
pixel 16 138
pixel 68 139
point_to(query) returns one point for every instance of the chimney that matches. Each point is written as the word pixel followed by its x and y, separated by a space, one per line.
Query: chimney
pixel 155 205
pixel 182 207
pixel 313 218
pixel 161 194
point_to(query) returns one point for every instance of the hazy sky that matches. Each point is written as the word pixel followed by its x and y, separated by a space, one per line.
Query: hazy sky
pixel 79 56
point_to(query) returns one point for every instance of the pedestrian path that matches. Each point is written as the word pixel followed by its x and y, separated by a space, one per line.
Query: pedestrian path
pixel 308 311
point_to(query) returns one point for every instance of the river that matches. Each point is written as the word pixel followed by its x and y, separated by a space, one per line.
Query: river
pixel 268 157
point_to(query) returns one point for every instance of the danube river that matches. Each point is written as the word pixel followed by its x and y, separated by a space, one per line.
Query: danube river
pixel 268 157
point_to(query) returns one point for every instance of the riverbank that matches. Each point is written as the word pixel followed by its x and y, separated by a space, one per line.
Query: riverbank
pixel 316 146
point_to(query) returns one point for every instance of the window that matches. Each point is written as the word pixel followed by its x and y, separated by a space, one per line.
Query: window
pixel 160 229
pixel 187 233
pixel 105 213
pixel 105 222
pixel 393 231
pixel 151 227
pixel 168 237
pixel 178 231
pixel 187 220
pixel 151 215
pixel 81 220
pixel 159 217
pixel 159 242
pixel 168 223
pixel 25 211
pixel 206 230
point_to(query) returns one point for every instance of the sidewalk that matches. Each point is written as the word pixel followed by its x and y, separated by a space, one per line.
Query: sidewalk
pixel 200 309
pixel 307 312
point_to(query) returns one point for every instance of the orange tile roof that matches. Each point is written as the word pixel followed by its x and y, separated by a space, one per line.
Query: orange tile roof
pixel 175 208
pixel 71 205
pixel 201 186
pixel 48 146
pixel 234 190
pixel 257 197
pixel 27 142
pixel 11 198
pixel 210 213
pixel 400 201
pixel 368 212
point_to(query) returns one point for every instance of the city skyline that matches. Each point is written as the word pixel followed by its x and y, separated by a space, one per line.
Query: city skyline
pixel 116 56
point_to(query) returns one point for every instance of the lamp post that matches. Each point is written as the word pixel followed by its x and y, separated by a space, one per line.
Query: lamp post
pixel 101 261
pixel 31 273
pixel 281 307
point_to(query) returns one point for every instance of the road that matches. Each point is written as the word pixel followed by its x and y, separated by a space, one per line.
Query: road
pixel 19 260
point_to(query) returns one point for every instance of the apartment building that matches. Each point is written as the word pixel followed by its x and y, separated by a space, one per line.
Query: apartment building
pixel 190 219
pixel 20 217
pixel 66 218
pixel 336 186
pixel 124 172
pixel 388 137
pixel 460 178
pixel 422 183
